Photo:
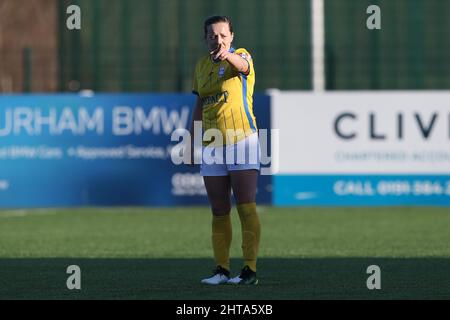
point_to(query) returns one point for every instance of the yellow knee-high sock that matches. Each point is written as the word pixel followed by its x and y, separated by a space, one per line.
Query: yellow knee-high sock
pixel 221 240
pixel 251 232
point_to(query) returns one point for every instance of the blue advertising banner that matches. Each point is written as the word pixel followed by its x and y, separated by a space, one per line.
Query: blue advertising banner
pixel 100 150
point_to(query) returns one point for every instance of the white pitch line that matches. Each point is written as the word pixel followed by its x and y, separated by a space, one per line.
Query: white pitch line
pixel 24 213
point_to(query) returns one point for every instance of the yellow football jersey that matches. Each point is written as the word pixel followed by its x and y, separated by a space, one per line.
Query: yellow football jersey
pixel 227 97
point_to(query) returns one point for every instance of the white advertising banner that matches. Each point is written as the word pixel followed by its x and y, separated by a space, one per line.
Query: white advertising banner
pixel 366 134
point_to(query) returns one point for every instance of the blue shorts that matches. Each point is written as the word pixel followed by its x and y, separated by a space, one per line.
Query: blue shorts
pixel 243 155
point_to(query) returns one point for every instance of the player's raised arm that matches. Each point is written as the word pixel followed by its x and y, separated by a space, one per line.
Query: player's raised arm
pixel 235 60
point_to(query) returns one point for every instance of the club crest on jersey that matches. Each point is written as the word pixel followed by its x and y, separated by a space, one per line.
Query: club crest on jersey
pixel 221 72
pixel 245 56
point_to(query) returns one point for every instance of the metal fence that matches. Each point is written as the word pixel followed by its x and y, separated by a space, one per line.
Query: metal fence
pixel 152 45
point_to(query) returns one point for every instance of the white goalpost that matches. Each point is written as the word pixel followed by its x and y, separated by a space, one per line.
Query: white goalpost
pixel 318 44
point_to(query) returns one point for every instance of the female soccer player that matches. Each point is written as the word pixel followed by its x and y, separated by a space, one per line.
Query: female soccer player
pixel 223 82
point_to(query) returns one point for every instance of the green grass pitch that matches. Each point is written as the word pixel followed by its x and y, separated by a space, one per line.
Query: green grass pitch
pixel 151 253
